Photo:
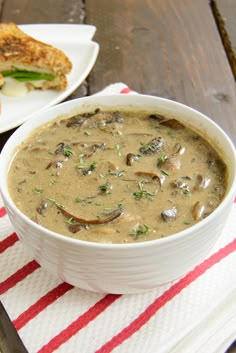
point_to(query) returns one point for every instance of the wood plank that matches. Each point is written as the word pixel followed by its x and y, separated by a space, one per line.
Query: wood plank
pixel 43 11
pixel 146 45
pixel 225 15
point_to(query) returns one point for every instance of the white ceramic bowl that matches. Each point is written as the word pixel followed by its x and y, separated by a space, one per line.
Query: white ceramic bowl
pixel 121 268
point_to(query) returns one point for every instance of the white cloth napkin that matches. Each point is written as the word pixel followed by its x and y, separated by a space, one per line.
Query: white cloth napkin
pixel 194 314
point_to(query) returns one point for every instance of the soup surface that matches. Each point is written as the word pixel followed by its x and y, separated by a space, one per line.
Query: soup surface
pixel 117 176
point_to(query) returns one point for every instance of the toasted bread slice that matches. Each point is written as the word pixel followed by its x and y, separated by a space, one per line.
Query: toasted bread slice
pixel 18 51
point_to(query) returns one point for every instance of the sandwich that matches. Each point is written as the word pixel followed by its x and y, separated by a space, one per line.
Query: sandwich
pixel 29 62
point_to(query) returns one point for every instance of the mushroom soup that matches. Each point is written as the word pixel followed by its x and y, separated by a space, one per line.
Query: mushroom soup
pixel 117 176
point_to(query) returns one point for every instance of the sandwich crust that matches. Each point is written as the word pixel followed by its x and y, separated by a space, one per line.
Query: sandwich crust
pixel 19 50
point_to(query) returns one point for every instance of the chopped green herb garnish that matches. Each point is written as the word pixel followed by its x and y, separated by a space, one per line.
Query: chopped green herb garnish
pixel 164 172
pixel 143 193
pixel 70 220
pixel 38 190
pixel 81 158
pixel 163 157
pixel 52 182
pixel 187 192
pixel 105 187
pixel 93 166
pixel 117 173
pixel 141 230
pixel 80 166
pixel 120 206
pixel 87 133
pixel 50 199
pixel 53 201
pixel 67 152
pixel 108 208
pixel 117 147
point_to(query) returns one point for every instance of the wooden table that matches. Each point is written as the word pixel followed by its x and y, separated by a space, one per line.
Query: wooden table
pixel 178 49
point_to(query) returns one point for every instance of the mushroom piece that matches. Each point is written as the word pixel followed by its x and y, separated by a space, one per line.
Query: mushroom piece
pixel 181 184
pixel 153 146
pixel 78 120
pixel 43 206
pixel 154 176
pixel 198 211
pixel 61 148
pixel 94 148
pixel 173 124
pixel 102 119
pixel 131 157
pixel 55 164
pixel 172 163
pixel 202 182
pixel 76 227
pixel 178 149
pixel 108 218
pixel 157 117
pixel 169 215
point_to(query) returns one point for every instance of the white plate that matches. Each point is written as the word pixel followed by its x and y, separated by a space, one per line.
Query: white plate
pixel 76 42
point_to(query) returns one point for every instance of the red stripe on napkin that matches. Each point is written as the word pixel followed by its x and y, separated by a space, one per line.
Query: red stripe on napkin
pixel 3 211
pixel 7 242
pixel 41 304
pixel 18 276
pixel 174 290
pixel 125 90
pixel 78 324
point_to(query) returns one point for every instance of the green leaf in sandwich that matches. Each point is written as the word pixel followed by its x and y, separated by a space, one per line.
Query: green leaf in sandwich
pixel 24 75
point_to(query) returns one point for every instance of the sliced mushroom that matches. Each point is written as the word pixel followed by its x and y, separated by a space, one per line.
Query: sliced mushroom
pixel 153 146
pixel 169 215
pixel 181 184
pixel 94 148
pixel 101 119
pixel 130 158
pixel 157 117
pixel 178 149
pixel 55 164
pixel 173 124
pixel 202 182
pixel 42 207
pixel 154 176
pixel 78 120
pixel 172 163
pixel 108 218
pixel 198 211
pixel 76 227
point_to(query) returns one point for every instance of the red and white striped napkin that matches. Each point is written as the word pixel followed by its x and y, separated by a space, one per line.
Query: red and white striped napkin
pixel 197 313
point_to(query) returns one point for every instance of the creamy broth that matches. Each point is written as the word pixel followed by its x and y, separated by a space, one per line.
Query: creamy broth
pixel 117 177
